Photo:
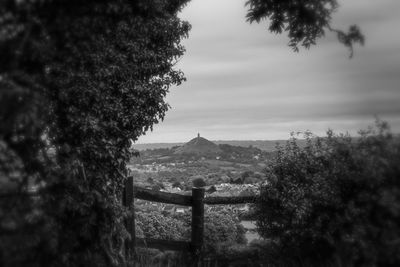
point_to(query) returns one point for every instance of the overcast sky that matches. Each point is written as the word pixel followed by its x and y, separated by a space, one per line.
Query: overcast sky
pixel 244 83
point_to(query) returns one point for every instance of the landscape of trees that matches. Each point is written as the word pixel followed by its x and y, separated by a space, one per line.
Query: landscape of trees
pixel 80 79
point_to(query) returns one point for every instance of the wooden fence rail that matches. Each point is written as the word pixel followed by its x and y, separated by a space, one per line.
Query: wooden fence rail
pixel 196 201
pixel 229 200
pixel 185 200
pixel 164 197
pixel 163 244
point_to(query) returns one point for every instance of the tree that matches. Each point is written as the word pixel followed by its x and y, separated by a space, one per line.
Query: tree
pixel 79 80
pixel 304 21
pixel 335 200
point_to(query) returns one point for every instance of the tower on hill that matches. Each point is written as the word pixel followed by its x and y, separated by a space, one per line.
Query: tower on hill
pixel 200 146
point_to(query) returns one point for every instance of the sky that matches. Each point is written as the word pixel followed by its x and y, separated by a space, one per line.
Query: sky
pixel 245 83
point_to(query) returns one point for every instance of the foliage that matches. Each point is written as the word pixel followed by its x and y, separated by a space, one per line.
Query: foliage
pixel 305 21
pixel 198 182
pixel 177 185
pixel 338 197
pixel 155 225
pixel 242 154
pixel 221 229
pixel 78 80
pixel 145 257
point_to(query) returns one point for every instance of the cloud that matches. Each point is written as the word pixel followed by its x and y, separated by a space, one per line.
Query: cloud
pixel 245 83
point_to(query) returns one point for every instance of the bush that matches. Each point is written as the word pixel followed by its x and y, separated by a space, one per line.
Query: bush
pixel 177 184
pixel 155 225
pixel 198 182
pixel 338 198
pixel 221 228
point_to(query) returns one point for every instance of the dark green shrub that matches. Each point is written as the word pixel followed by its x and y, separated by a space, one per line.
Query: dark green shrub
pixel 247 174
pixel 336 198
pixel 198 182
pixel 155 225
pixel 221 230
pixel 177 184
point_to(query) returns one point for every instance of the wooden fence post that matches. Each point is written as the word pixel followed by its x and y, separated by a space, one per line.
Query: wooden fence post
pixel 130 221
pixel 197 224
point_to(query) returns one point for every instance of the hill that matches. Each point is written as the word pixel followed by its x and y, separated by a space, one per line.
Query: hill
pixel 265 145
pixel 198 146
pixel 155 145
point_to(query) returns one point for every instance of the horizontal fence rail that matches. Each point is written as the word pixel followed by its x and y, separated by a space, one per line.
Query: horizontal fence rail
pixel 164 197
pixel 185 200
pixel 22 194
pixel 163 244
pixel 229 200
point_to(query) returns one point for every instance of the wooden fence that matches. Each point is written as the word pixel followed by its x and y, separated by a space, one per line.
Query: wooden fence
pixel 196 201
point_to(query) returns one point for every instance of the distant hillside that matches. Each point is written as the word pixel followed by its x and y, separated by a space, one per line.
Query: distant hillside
pixel 265 145
pixel 155 145
pixel 199 146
